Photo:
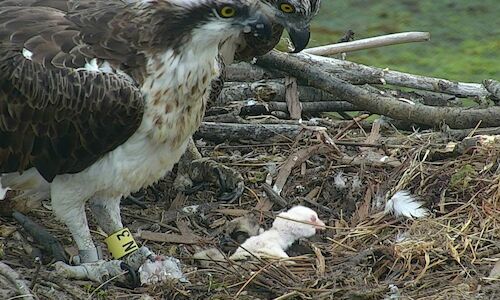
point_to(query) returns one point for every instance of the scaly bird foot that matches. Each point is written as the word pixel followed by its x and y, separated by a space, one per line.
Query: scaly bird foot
pixel 203 170
pixel 143 266
pixel 99 271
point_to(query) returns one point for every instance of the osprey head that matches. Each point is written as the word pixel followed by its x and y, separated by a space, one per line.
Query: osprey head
pixel 295 16
pixel 208 21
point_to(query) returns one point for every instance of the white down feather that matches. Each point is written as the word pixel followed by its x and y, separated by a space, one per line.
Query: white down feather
pixel 402 203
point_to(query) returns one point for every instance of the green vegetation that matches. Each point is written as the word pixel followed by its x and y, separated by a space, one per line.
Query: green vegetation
pixel 465 35
pixel 463 177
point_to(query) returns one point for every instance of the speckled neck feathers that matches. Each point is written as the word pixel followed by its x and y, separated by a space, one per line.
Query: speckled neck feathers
pixel 174 91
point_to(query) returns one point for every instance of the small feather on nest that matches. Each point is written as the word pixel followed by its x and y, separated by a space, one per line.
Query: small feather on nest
pixel 3 192
pixel 405 204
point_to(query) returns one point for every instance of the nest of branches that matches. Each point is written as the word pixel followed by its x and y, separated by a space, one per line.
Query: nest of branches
pixel 364 253
pixel 346 170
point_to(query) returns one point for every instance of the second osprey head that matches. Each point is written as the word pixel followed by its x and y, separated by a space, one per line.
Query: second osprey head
pixel 295 16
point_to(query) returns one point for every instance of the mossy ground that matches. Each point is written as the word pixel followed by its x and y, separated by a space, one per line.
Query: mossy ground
pixel 465 35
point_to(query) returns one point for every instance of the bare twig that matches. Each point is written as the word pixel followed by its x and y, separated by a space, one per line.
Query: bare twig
pixel 307 107
pixel 374 42
pixel 293 160
pixel 273 196
pixel 268 90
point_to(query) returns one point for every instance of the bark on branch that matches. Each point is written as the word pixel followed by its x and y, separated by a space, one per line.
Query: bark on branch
pixel 273 90
pixel 307 68
pixel 360 74
pixel 269 90
pixel 220 132
pixel 244 71
pixel 307 107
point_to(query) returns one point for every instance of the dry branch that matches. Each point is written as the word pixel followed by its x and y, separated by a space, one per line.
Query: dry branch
pixel 16 279
pixel 307 107
pixel 360 74
pixel 423 97
pixel 374 42
pixel 236 132
pixel 293 160
pixel 248 72
pixel 268 90
pixel 306 67
pixel 493 87
pixel 293 105
pixel 273 91
pixel 460 134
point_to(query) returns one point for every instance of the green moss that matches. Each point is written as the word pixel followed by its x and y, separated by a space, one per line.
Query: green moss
pixel 461 179
pixel 256 177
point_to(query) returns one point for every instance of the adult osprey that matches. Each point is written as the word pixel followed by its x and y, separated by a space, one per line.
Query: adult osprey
pixel 295 16
pixel 99 98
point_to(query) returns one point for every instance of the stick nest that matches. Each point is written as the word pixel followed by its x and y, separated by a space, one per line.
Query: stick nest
pixel 363 254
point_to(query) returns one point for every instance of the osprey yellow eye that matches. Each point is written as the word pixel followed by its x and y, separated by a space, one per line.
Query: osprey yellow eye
pixel 287 8
pixel 227 12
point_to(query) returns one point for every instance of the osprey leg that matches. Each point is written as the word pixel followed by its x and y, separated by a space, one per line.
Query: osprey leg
pixel 72 214
pixel 107 213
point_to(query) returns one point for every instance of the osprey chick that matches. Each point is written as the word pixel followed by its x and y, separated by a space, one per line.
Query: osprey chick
pixel 298 222
pixel 99 98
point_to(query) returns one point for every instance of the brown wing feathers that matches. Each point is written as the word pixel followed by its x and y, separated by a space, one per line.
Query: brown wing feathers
pixel 52 116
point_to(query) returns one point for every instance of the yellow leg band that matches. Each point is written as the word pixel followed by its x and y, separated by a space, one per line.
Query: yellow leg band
pixel 121 243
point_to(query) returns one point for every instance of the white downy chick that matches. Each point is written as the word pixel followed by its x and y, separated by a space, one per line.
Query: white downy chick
pixel 298 222
pixel 405 204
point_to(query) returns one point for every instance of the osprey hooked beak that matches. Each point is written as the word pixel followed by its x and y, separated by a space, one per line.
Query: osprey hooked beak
pixel 300 38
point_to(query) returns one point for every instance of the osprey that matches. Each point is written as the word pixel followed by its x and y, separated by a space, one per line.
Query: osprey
pixel 295 16
pixel 99 98
pixel 298 222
